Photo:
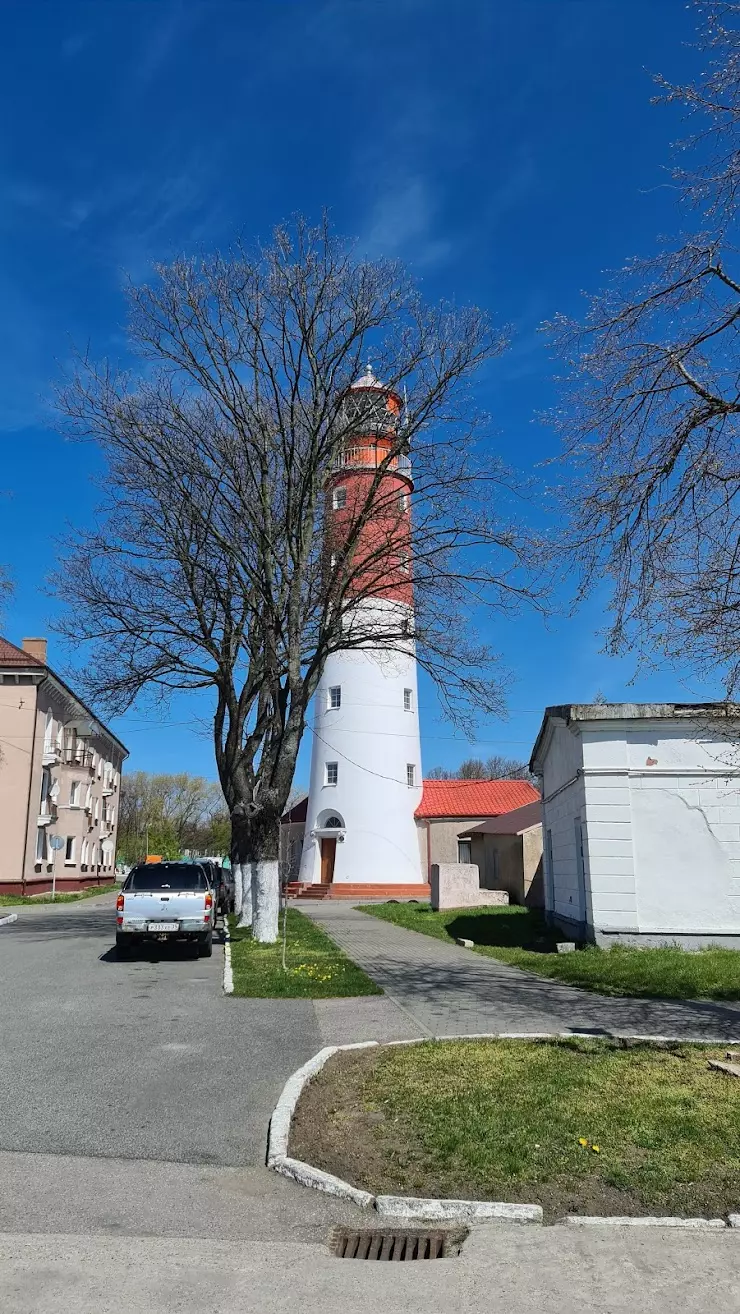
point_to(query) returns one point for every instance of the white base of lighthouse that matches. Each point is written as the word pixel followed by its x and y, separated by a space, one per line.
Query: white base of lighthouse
pixel 365 771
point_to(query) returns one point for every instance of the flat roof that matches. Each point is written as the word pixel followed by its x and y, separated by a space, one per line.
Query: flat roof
pixel 571 713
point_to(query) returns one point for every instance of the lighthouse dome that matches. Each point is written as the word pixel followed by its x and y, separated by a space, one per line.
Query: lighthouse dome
pixel 368 379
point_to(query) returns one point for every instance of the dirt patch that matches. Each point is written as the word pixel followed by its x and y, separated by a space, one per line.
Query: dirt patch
pixel 343 1126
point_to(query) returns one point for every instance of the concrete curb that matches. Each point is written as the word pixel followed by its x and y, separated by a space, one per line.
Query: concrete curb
pixel 414 1209
pixel 11 917
pixel 463 1211
pixel 387 1206
pixel 695 1224
pixel 228 974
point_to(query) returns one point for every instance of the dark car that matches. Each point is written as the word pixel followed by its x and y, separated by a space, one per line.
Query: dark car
pixel 222 882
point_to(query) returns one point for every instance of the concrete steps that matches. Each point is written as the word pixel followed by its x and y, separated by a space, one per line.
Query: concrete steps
pixel 359 893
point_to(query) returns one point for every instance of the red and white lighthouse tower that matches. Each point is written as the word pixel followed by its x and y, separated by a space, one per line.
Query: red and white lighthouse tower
pixel 366 759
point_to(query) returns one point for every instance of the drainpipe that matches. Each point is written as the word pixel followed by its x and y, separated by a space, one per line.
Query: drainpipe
pixel 30 784
pixel 429 851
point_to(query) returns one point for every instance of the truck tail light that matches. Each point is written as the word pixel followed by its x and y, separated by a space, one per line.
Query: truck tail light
pixel 209 901
pixel 119 903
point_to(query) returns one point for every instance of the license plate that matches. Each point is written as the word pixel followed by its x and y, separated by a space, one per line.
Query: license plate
pixel 163 926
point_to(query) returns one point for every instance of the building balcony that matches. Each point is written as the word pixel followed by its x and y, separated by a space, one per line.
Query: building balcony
pixel 50 754
pixel 78 757
pixel 368 458
pixel 46 816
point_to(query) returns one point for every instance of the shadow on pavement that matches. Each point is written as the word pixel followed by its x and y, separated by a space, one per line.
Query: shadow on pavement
pixel 155 951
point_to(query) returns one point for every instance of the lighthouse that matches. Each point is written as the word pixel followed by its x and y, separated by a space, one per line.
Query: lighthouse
pixel 365 782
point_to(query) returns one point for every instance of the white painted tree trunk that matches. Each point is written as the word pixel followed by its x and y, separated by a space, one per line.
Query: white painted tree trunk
pixel 237 874
pixel 245 885
pixel 265 900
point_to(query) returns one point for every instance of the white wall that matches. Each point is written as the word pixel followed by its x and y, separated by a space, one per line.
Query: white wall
pixel 564 801
pixel 659 802
pixel 372 738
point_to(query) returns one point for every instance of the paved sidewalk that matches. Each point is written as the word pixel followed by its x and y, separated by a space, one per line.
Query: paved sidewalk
pixel 440 989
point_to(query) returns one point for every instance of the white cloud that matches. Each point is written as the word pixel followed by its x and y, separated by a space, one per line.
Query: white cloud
pixel 401 223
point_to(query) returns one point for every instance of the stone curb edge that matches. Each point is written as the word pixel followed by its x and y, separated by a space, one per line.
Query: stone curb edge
pixel 415 1209
pixel 228 974
pixel 695 1224
pixel 11 917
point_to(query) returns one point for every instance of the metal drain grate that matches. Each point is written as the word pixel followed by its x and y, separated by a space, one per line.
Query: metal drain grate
pixel 388 1243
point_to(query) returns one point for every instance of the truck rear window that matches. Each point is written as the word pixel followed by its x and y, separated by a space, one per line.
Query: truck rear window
pixel 166 876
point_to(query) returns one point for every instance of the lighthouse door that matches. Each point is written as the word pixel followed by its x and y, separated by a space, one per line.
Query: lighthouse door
pixel 328 853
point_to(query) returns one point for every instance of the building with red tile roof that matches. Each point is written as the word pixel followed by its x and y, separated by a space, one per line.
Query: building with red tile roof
pixel 474 798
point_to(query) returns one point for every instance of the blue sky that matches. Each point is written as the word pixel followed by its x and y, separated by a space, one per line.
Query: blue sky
pixel 507 152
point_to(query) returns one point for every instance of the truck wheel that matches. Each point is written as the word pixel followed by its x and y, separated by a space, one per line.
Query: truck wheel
pixel 205 946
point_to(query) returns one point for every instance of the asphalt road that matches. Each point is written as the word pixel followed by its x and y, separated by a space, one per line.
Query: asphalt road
pixel 142 1058
pixel 134 1100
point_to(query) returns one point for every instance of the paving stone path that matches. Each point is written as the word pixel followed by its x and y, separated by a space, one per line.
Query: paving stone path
pixel 440 989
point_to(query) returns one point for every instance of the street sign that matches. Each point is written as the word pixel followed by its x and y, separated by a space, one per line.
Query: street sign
pixel 56 841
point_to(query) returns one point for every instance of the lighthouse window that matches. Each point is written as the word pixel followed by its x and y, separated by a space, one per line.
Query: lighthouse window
pixel 403 502
pixel 405 562
pixel 408 700
pixel 335 696
pixel 332 773
pixel 339 498
pixel 410 774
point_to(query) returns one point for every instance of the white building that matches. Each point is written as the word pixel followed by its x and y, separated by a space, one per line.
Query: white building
pixel 366 779
pixel 641 820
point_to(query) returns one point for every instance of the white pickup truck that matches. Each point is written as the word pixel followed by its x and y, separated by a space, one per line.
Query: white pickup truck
pixel 166 901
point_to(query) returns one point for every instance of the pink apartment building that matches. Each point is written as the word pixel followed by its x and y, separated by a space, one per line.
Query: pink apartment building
pixel 60 774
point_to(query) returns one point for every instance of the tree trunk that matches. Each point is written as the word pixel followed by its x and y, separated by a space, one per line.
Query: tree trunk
pixel 255 848
pixel 245 886
pixel 266 900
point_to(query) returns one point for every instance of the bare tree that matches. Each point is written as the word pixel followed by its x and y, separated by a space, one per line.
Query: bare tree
pixel 165 814
pixel 496 767
pixel 216 562
pixel 650 414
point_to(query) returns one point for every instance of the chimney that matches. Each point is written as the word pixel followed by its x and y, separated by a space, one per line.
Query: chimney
pixel 36 648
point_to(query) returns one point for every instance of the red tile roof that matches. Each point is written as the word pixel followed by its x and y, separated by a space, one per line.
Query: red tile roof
pixel 474 798
pixel 16 658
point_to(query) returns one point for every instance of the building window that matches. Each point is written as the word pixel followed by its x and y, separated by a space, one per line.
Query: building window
pixel 69 851
pixel 41 853
pixel 334 823
pixel 405 562
pixel 335 696
pixel 410 774
pixel 408 700
pixel 97 811
pixel 45 791
pixel 332 773
pixel 403 502
pixel 74 794
pixel 83 853
pixel 464 851
pixel 339 498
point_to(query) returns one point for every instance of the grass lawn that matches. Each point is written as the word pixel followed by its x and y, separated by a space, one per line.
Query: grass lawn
pixel 14 900
pixel 317 968
pixel 519 1121
pixel 521 937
